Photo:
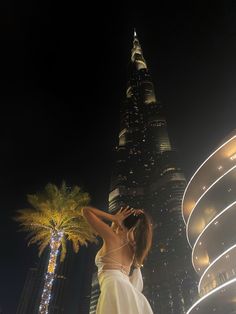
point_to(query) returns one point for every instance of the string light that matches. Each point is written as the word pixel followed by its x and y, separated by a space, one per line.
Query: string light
pixel 50 275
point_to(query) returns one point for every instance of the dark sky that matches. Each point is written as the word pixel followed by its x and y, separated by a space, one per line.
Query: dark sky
pixel 63 77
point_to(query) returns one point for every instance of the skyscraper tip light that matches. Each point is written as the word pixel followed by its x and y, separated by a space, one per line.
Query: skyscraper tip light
pixel 146 174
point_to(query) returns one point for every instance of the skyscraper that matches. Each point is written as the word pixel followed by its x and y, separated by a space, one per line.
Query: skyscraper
pixel 209 210
pixel 146 174
pixel 32 290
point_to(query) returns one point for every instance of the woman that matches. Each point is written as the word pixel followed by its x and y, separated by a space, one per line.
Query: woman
pixel 125 243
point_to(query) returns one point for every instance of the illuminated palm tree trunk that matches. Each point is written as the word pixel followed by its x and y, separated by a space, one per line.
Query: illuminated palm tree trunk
pixel 55 218
pixel 55 244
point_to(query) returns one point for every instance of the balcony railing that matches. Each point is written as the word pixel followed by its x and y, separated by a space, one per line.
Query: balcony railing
pixel 218 280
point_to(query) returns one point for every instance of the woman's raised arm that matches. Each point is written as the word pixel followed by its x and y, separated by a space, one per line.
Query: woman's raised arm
pixel 96 216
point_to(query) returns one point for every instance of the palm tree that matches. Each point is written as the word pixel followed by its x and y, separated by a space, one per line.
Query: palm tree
pixel 55 218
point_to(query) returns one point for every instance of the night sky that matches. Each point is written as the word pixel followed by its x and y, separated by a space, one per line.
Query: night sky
pixel 63 77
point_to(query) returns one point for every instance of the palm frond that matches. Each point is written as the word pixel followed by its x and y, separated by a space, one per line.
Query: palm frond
pixel 53 210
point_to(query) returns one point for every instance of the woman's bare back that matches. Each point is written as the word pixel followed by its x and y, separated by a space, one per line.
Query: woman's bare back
pixel 117 253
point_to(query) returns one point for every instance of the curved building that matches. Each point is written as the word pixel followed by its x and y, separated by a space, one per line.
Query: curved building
pixel 209 211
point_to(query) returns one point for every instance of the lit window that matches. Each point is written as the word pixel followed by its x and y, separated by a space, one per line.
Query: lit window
pixel 233 157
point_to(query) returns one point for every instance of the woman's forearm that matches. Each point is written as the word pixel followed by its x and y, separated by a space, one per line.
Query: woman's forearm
pixel 99 213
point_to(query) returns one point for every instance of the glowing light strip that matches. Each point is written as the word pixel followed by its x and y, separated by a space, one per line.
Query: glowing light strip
pixel 210 293
pixel 187 226
pixel 55 243
pixel 185 191
pixel 225 252
pixel 207 226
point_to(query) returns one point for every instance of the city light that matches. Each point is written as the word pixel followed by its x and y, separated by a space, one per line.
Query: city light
pixel 211 255
pixel 188 225
pixel 55 244
pixel 186 209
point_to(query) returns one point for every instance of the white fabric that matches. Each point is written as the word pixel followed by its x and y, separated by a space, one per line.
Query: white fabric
pixel 119 296
pixel 120 293
pixel 136 279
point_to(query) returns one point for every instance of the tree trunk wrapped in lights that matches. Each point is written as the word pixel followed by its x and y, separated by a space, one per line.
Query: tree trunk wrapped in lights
pixel 55 244
pixel 55 218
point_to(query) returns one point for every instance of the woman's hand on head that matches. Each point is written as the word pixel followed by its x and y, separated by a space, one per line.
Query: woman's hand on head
pixel 122 214
pixel 138 212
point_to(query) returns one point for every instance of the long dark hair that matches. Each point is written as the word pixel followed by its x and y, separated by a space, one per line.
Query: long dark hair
pixel 143 231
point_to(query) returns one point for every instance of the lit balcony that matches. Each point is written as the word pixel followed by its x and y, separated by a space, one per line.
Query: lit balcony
pixel 209 211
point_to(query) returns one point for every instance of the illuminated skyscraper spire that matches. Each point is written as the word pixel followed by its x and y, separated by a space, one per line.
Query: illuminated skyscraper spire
pixel 146 174
pixel 137 54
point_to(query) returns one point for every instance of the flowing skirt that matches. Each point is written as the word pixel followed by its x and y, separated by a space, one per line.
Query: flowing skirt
pixel 119 296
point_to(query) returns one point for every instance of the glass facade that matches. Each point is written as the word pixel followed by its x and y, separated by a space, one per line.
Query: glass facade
pixel 31 292
pixel 146 174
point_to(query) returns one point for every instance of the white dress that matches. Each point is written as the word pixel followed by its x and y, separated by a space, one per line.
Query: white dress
pixel 120 293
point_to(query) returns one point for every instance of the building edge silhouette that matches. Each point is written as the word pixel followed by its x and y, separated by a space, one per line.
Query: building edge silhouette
pixel 146 174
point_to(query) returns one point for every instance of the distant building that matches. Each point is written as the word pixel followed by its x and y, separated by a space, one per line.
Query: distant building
pixel 209 211
pixel 30 296
pixel 95 294
pixel 67 295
